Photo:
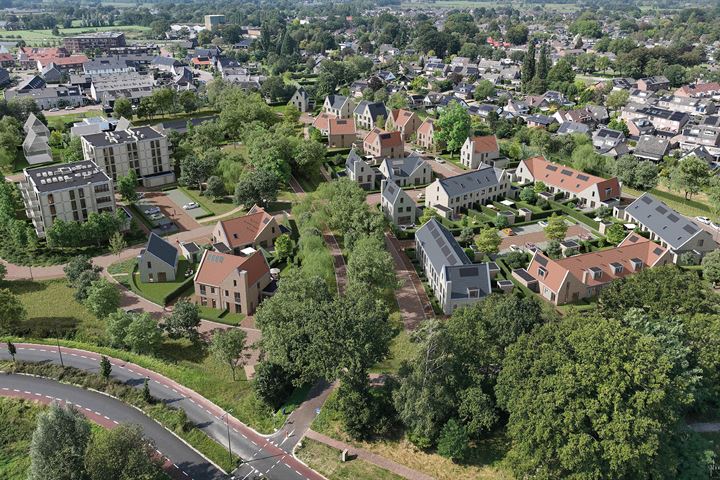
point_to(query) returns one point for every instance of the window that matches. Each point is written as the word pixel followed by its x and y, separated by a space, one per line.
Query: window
pixel 149 265
pixel 227 293
pixel 202 290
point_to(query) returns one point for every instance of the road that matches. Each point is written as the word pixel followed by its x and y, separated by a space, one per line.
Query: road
pixel 266 455
pixel 182 461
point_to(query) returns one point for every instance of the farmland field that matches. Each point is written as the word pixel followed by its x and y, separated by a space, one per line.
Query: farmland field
pixel 45 37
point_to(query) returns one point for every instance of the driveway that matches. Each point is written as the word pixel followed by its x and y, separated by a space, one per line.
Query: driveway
pixel 171 210
pixel 412 300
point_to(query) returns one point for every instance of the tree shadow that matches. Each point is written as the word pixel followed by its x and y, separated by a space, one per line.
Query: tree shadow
pixel 177 350
pixel 43 327
pixel 20 287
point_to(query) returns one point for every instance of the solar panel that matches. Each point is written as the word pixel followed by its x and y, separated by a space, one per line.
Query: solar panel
pixel 468 272
pixel 452 260
pixel 445 250
pixel 583 177
pixel 661 210
pixel 673 218
pixel 658 251
pixel 647 200
pixel 690 228
pixel 552 168
pixel 541 260
pixel 566 172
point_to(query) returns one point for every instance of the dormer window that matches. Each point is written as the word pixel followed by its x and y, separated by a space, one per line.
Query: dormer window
pixel 617 268
pixel 473 293
pixel 595 272
pixel 542 272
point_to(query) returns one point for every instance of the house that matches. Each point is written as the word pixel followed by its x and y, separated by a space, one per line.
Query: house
pixel 481 149
pixel 651 148
pixel 666 226
pixel 338 105
pixel 425 137
pixel 256 229
pixel 583 276
pixel 539 121
pixel 51 193
pixel 230 282
pixel 322 123
pixel 693 136
pixel 396 204
pixel 516 107
pixel 52 74
pixel 606 139
pixel 591 191
pixel 158 261
pixel 640 126
pixel 453 278
pixel 664 120
pixel 407 171
pixel 405 121
pixel 36 148
pixel 359 171
pixel 568 128
pixel 381 144
pixel 367 114
pixel 131 85
pixel 33 123
pixel 4 77
pixel 690 105
pixel 340 132
pixel 301 100
pixel 653 84
pixel 580 115
pixel 699 90
pixel 453 195
pixel 49 97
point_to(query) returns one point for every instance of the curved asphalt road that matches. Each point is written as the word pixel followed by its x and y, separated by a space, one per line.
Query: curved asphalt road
pixel 264 456
pixel 183 461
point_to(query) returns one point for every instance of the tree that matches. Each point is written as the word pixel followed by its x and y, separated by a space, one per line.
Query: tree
pixel 122 453
pixel 83 284
pixel 309 155
pixel 575 362
pixel 428 214
pixel 453 126
pixel 488 241
pixel 256 188
pixel 12 350
pixel 370 266
pixel 215 187
pixel 195 169
pixel 103 298
pixel 272 383
pixel 183 321
pixel 556 228
pixel 12 312
pixel 227 347
pixel 617 99
pixel 122 108
pixel 539 187
pixel 453 441
pixel 58 445
pixel 528 66
pixel 284 247
pixel 711 267
pixel 188 101
pixel 619 124
pixel 615 233
pixel 642 175
pixel 291 114
pixel 147 397
pixel 117 326
pixel 517 34
pixel 73 151
pixel 690 175
pixel 528 195
pixel 485 89
pixel 143 334
pixel 127 187
pixel 76 266
pixel 105 368
pixel 117 243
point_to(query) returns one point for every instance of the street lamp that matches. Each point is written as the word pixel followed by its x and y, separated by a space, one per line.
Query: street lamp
pixel 226 416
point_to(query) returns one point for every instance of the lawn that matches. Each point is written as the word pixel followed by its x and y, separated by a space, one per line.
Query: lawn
pixel 690 208
pixel 484 458
pixel 327 461
pixel 158 291
pixel 214 207
pixel 221 316
pixel 18 420
pixel 34 37
pixel 52 311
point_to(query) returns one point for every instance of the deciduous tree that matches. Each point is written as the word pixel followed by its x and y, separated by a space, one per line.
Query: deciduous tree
pixel 227 347
pixel 58 445
pixel 453 126
pixel 103 298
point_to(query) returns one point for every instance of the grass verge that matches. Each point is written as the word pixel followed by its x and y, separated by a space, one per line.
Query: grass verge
pixel 327 460
pixel 174 420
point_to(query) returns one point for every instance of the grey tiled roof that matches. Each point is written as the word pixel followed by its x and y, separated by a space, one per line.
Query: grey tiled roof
pixel 672 227
pixel 405 166
pixel 484 177
pixel 162 249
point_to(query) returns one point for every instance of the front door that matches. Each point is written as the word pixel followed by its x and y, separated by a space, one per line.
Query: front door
pixel 162 277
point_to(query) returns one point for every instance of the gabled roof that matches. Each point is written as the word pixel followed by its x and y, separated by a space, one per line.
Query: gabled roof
pixel 402 167
pixel 386 139
pixel 375 109
pixel 336 101
pixel 484 177
pixel 569 179
pixel 352 159
pixel 401 117
pixel 652 147
pixel 215 267
pixel 484 143
pixel 340 126
pixel 427 127
pixel 34 123
pixel 671 227
pixel 391 192
pixel 633 248
pixel 162 249
pixel 322 121
pixel 244 230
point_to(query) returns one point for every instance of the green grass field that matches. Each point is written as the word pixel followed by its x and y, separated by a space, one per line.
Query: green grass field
pixel 39 37
pixel 212 206
pixel 690 208
pixel 327 461
pixel 18 420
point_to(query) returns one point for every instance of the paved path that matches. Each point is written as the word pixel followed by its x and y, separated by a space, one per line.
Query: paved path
pixel 381 462
pixel 296 187
pixel 538 238
pixel 412 300
pixel 262 454
pixel 180 460
pixel 338 261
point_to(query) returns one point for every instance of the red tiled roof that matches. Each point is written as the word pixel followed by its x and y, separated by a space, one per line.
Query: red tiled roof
pixel 634 246
pixel 322 121
pixel 426 127
pixel 341 126
pixel 569 179
pixel 700 88
pixel 215 267
pixel 484 144
pixel 401 117
pixel 386 139
pixel 244 230
pixel 60 61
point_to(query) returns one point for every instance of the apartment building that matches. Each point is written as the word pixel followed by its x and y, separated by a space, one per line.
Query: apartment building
pixel 69 192
pixel 142 149
pixel 213 21
pixel 94 41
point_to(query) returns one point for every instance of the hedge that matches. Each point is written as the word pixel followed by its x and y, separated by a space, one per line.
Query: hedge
pixel 179 290
pixel 576 215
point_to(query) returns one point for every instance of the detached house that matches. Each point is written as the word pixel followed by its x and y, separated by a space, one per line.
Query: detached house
pixel 230 282
pixel 453 278
pixel 158 261
pixel 256 229
pixel 653 84
pixel 338 105
pixel 674 231
pixel 359 171
pixel 381 144
pixel 301 100
pixel 367 114
pixel 340 132
pixel 584 276
pixel 481 149
pixel 405 121
pixel 407 171
pixel 396 204
pixel 591 191
pixel 453 195
pixel 426 135
pixel 651 148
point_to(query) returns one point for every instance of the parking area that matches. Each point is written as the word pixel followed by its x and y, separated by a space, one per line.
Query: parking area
pixel 170 218
pixel 535 234
pixel 179 198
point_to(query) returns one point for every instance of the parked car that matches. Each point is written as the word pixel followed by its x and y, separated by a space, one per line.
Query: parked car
pixel 715 225
pixel 439 160
pixel 54 110
pixel 704 220
pixel 69 108
pixel 515 248
pixel 190 206
pixel 157 216
pixel 543 223
pixel 151 210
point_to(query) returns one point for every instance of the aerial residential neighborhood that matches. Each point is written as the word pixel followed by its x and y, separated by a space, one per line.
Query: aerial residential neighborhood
pixel 392 239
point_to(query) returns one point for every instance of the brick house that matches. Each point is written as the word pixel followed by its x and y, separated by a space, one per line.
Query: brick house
pixel 256 229
pixel 405 121
pixel 381 144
